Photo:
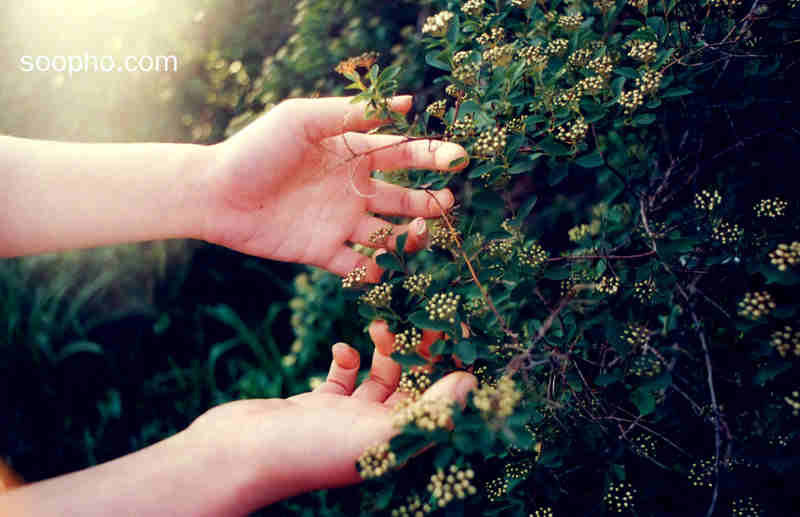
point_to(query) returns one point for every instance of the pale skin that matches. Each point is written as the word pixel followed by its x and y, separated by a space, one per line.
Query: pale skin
pixel 294 186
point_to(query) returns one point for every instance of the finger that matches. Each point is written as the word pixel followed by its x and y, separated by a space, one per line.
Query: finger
pixel 454 386
pixel 343 372
pixel 381 337
pixel 368 233
pixel 347 260
pixel 393 152
pixel 330 116
pixel 388 199
pixel 382 381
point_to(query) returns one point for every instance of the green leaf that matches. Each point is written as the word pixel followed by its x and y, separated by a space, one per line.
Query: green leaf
pixel 770 371
pixel 676 92
pixel 624 71
pixel 466 350
pixel 389 262
pixel 591 160
pixel 469 107
pixel 523 166
pixel 605 379
pixel 526 208
pixel 78 347
pixel 440 347
pixel 488 200
pixel 643 399
pixel 401 243
pixel 644 120
pixel 551 147
pixel 557 173
pixel 409 360
pixel 434 59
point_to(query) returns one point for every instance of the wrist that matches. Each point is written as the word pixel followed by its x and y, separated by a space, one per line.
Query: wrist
pixel 197 188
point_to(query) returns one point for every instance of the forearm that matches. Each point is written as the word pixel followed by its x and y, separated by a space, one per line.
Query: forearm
pixel 56 196
pixel 173 477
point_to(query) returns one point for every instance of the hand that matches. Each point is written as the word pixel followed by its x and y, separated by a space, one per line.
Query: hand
pixel 295 185
pixel 312 441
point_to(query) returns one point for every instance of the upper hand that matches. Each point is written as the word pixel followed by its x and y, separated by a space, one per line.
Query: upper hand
pixel 295 184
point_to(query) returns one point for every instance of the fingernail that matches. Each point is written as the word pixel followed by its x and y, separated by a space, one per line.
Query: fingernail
pixel 447 153
pixel 378 253
pixel 420 226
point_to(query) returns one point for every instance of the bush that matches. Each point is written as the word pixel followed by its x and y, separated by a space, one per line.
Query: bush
pixel 619 272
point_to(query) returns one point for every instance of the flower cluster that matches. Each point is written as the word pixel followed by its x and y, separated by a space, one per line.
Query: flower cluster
pixel 572 133
pixel 455 483
pixel 608 284
pixel 533 256
pixel 428 414
pixel 473 7
pixel 443 306
pixel 701 472
pixel 499 55
pixel 619 497
pixel 589 85
pixel 497 402
pixel 407 341
pixel 557 47
pixel 380 235
pixel 545 511
pixel 462 128
pixel 786 340
pixel 493 37
pixel 785 255
pixel 644 445
pixel 771 207
pixel 745 507
pixel 631 100
pixel 518 470
pixel 492 142
pixel 418 284
pixel 637 336
pixel 534 57
pixel 501 249
pixel 476 307
pixel 604 5
pixel 413 508
pixel 570 22
pixel 354 277
pixel 523 4
pixel 467 72
pixel 414 382
pixel 579 58
pixel 442 236
pixel 726 233
pixel 642 50
pixel 495 489
pixel 580 232
pixel 756 304
pixel 794 402
pixel 649 81
pixel 350 65
pixel 454 91
pixel 639 4
pixel 437 108
pixel 707 200
pixel 644 290
pixel 437 24
pixel 379 296
pixel 601 65
pixel 646 366
pixel 376 461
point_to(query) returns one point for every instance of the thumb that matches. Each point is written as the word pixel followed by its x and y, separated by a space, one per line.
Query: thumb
pixel 454 387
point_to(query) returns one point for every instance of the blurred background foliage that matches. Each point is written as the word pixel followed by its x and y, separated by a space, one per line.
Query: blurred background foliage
pixel 105 351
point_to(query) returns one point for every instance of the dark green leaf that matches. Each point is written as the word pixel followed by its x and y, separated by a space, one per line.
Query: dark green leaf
pixel 644 119
pixel 434 59
pixel 644 401
pixel 466 350
pixel 420 320
pixel 591 160
pixel 389 262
